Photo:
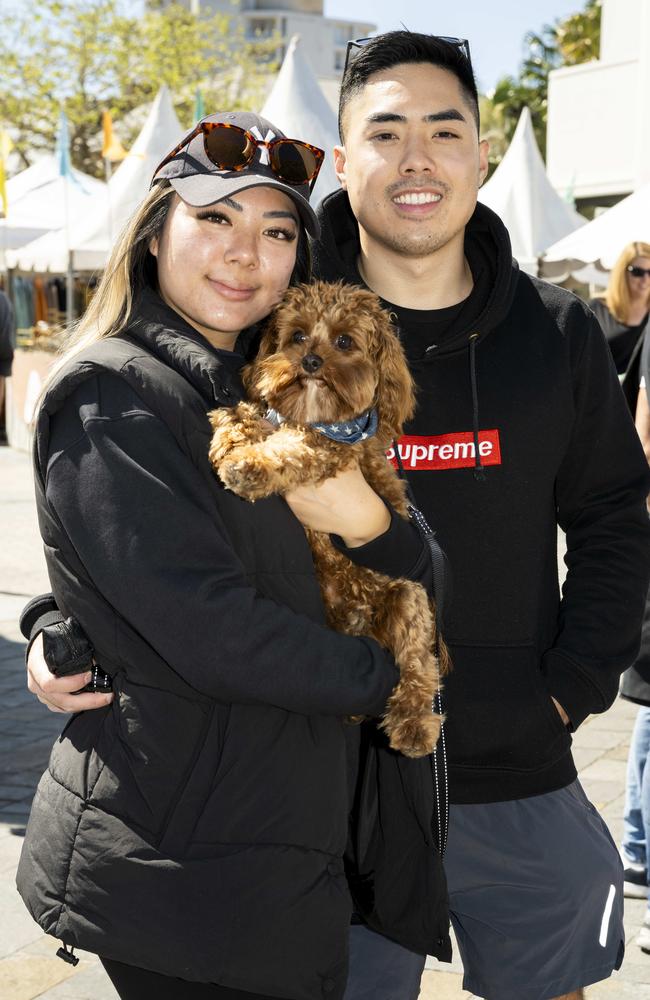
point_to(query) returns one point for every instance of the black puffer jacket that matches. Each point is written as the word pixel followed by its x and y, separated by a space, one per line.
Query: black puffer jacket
pixel 191 828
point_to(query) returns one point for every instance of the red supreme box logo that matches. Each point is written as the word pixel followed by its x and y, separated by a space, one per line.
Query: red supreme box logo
pixel 447 451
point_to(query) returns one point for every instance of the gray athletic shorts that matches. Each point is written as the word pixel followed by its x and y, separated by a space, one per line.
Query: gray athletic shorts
pixel 536 893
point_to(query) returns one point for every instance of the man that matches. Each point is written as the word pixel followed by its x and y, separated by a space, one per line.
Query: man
pixel 520 425
pixel 635 687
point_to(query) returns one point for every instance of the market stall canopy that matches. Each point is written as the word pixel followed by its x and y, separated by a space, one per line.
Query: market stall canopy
pixel 521 194
pixel 600 242
pixel 92 231
pixel 298 106
pixel 36 201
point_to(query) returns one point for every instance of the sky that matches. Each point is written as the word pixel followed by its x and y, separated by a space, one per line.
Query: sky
pixel 495 28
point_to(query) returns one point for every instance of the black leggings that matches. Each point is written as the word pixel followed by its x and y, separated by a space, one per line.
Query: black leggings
pixel 133 983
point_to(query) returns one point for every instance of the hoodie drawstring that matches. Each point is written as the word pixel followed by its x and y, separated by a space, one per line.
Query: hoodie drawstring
pixel 479 471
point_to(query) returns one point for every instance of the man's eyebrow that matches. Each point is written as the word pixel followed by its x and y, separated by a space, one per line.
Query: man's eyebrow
pixel 449 114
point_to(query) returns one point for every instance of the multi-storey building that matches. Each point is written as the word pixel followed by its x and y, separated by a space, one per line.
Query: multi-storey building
pixel 323 40
pixel 598 139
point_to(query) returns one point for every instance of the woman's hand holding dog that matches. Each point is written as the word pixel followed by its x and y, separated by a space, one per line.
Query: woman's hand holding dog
pixel 343 505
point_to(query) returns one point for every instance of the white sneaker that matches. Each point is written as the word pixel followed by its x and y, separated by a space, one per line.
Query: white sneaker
pixel 643 937
pixel 635 885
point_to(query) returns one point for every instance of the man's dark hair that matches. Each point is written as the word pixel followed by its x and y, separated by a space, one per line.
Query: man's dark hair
pixel 396 47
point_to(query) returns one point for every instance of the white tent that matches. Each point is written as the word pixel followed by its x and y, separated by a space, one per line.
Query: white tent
pixel 600 242
pixel 36 201
pixel 298 106
pixel 522 195
pixel 92 232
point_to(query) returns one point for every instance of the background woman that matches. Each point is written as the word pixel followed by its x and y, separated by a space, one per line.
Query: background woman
pixel 193 828
pixel 623 313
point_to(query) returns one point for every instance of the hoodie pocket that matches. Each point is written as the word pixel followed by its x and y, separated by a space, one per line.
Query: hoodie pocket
pixel 499 711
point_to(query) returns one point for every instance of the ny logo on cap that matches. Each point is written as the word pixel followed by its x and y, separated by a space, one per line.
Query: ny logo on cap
pixel 264 153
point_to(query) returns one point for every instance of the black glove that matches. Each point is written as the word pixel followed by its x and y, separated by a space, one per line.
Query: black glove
pixel 67 650
pixel 66 647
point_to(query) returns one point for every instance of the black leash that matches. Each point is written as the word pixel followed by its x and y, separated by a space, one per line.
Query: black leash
pixel 439 756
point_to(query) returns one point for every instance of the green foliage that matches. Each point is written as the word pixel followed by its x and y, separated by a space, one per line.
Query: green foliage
pixel 87 55
pixel 578 36
pixel 575 39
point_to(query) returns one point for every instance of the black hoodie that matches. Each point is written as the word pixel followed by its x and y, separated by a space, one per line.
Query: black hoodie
pixel 524 371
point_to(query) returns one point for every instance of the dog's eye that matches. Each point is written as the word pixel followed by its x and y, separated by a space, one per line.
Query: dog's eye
pixel 298 337
pixel 343 342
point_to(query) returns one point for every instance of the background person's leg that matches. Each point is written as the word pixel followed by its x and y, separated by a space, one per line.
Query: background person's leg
pixel 642 754
pixel 633 847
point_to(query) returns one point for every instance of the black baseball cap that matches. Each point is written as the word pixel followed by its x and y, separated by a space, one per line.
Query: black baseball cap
pixel 198 181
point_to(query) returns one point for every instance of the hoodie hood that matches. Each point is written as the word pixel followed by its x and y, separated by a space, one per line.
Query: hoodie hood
pixel 487 248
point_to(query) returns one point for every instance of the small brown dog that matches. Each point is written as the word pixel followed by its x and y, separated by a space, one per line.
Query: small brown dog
pixel 329 356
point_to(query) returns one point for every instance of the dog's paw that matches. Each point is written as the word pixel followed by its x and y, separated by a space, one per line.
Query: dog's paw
pixel 220 448
pixel 246 477
pixel 235 428
pixel 413 736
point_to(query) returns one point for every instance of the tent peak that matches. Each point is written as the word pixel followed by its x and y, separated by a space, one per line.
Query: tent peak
pixel 520 192
pixel 298 107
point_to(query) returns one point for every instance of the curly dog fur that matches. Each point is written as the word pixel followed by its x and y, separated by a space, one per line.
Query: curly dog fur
pixel 328 354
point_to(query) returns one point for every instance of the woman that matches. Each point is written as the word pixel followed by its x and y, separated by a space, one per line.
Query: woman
pixel 191 831
pixel 623 313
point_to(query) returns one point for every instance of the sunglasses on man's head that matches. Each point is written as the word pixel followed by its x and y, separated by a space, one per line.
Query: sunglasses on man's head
pixel 460 43
pixel 638 272
pixel 230 147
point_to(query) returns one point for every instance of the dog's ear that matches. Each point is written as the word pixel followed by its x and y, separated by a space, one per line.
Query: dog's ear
pixel 395 389
pixel 270 336
pixel 268 345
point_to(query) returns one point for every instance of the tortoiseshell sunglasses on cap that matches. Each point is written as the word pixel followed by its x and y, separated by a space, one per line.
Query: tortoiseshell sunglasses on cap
pixel 461 44
pixel 230 147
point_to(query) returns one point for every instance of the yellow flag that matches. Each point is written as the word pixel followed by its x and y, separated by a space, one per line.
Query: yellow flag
pixel 6 145
pixel 112 149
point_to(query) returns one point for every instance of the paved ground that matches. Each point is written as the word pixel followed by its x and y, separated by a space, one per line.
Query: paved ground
pixel 28 966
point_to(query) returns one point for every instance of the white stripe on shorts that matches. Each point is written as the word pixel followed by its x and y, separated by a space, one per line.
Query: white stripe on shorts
pixel 607 913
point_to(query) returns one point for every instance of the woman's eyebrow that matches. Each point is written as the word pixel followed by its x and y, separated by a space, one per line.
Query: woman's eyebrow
pixel 232 204
pixel 281 215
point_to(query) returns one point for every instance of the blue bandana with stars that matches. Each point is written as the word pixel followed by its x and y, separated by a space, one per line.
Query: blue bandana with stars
pixel 344 431
pixel 351 431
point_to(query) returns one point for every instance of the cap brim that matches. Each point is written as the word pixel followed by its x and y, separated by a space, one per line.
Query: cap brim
pixel 206 189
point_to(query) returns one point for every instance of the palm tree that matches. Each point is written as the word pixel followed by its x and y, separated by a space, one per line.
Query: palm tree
pixel 579 35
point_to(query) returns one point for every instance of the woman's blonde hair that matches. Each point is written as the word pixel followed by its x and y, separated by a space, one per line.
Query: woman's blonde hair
pixel 617 296
pixel 130 268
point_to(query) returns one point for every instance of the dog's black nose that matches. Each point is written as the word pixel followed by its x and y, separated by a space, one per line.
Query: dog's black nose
pixel 311 363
